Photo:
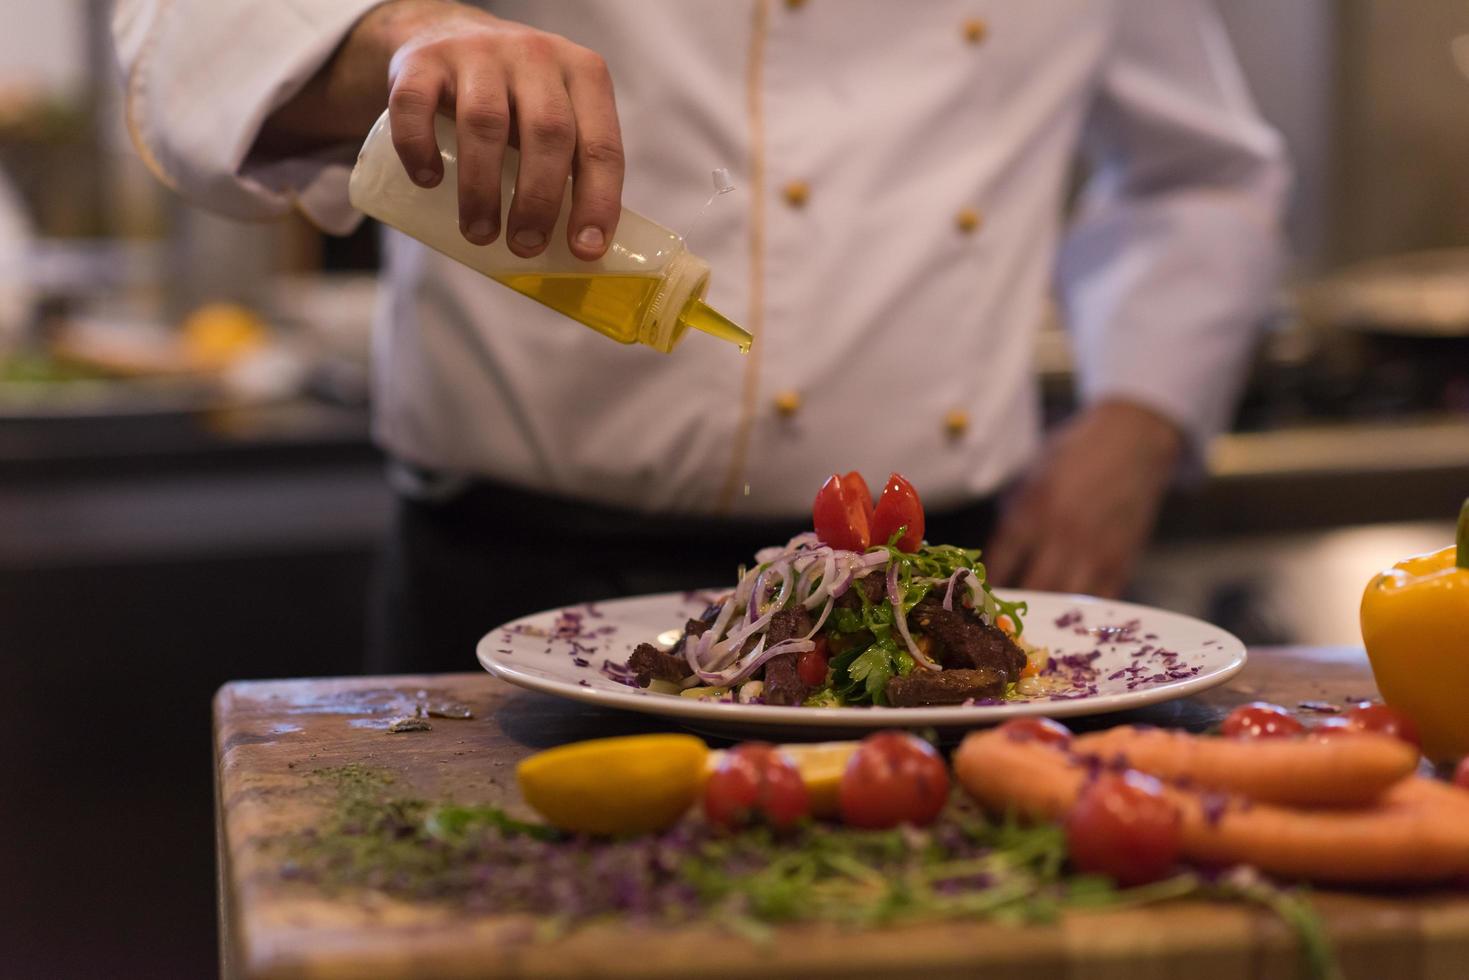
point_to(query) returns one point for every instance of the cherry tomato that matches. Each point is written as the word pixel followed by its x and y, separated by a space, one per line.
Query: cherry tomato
pixel 1461 774
pixel 1037 730
pixel 893 778
pixel 898 507
pixel 841 511
pixel 856 489
pixel 811 665
pixel 1124 827
pixel 1259 719
pixel 1373 716
pixel 755 782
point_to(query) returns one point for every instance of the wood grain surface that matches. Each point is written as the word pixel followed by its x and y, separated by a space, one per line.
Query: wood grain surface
pixel 269 736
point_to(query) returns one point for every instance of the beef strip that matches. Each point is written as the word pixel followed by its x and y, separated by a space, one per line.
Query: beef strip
pixel 783 685
pixel 962 640
pixel 696 628
pixel 692 630
pixel 874 586
pixel 944 686
pixel 653 664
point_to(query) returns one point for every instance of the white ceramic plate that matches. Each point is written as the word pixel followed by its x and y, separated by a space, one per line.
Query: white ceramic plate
pixel 1108 656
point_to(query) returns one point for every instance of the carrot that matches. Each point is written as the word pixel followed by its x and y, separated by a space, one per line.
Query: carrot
pixel 1417 831
pixel 1348 770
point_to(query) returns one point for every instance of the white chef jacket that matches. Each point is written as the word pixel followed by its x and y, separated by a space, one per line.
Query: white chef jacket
pixel 904 172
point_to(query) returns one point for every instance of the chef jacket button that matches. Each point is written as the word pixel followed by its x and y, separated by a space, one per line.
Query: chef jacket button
pixel 956 422
pixel 975 30
pixel 787 403
pixel 796 193
pixel 968 221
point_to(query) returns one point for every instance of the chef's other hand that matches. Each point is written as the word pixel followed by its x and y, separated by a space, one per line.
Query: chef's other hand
pixel 1081 516
pixel 504 84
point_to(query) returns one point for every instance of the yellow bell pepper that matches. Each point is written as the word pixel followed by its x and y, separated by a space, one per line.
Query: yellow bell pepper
pixel 1415 625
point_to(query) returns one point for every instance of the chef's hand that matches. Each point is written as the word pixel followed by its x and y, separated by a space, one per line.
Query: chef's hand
pixel 503 83
pixel 1081 516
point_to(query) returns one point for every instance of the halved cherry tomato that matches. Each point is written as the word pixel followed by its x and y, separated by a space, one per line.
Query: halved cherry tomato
pixel 1372 716
pixel 1461 774
pixel 840 513
pixel 756 782
pixel 811 665
pixel 898 508
pixel 1123 826
pixel 1260 719
pixel 893 778
pixel 1037 730
pixel 856 489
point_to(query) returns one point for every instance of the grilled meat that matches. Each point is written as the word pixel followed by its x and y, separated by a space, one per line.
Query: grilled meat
pixel 962 640
pixel 653 664
pixel 955 686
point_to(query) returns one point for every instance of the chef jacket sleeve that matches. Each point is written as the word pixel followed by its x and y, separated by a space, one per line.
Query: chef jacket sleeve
pixel 201 76
pixel 1172 260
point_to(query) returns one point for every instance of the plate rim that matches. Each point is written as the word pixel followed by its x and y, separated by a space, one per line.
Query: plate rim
pixel 856 718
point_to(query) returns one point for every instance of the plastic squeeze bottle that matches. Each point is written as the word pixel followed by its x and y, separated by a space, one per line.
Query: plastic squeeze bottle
pixel 646 289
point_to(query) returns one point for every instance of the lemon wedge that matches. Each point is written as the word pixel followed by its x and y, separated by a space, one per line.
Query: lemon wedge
pixel 636 784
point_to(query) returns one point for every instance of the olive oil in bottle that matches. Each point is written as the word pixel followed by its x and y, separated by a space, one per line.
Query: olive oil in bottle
pixel 647 289
pixel 616 306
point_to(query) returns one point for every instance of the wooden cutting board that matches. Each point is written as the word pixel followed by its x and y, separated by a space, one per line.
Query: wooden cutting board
pixel 269 737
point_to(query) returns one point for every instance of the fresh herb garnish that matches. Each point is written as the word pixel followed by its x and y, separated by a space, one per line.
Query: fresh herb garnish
pixel 860 673
pixel 964 867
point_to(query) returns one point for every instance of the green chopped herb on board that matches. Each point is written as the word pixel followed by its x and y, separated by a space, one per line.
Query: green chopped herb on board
pixel 966 866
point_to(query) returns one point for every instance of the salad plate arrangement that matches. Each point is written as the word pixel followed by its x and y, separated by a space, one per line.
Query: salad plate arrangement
pixel 861 624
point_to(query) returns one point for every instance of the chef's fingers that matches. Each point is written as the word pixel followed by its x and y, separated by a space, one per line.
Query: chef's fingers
pixel 1004 559
pixel 418 84
pixel 1052 569
pixel 1079 573
pixel 1111 582
pixel 1112 573
pixel 1010 546
pixel 547 129
pixel 482 121
pixel 596 190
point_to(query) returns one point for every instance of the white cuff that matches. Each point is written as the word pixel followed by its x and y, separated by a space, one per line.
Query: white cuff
pixel 203 75
pixel 1171 319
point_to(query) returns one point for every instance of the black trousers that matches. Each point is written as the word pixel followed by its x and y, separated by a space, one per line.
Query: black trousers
pixel 451 572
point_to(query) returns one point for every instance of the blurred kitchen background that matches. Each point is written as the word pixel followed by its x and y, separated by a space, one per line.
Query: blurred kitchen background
pixel 188 493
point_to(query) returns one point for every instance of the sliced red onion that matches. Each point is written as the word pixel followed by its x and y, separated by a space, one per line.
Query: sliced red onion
pixel 697 653
pixel 821 620
pixel 718 677
pixel 753 661
pixel 746 586
pixel 843 584
pixel 811 572
pixel 757 595
pixel 828 579
pixel 727 649
pixel 954 580
pixel 805 582
pixel 900 620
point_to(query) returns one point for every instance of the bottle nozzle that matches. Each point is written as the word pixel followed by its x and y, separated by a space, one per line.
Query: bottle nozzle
pixel 701 316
